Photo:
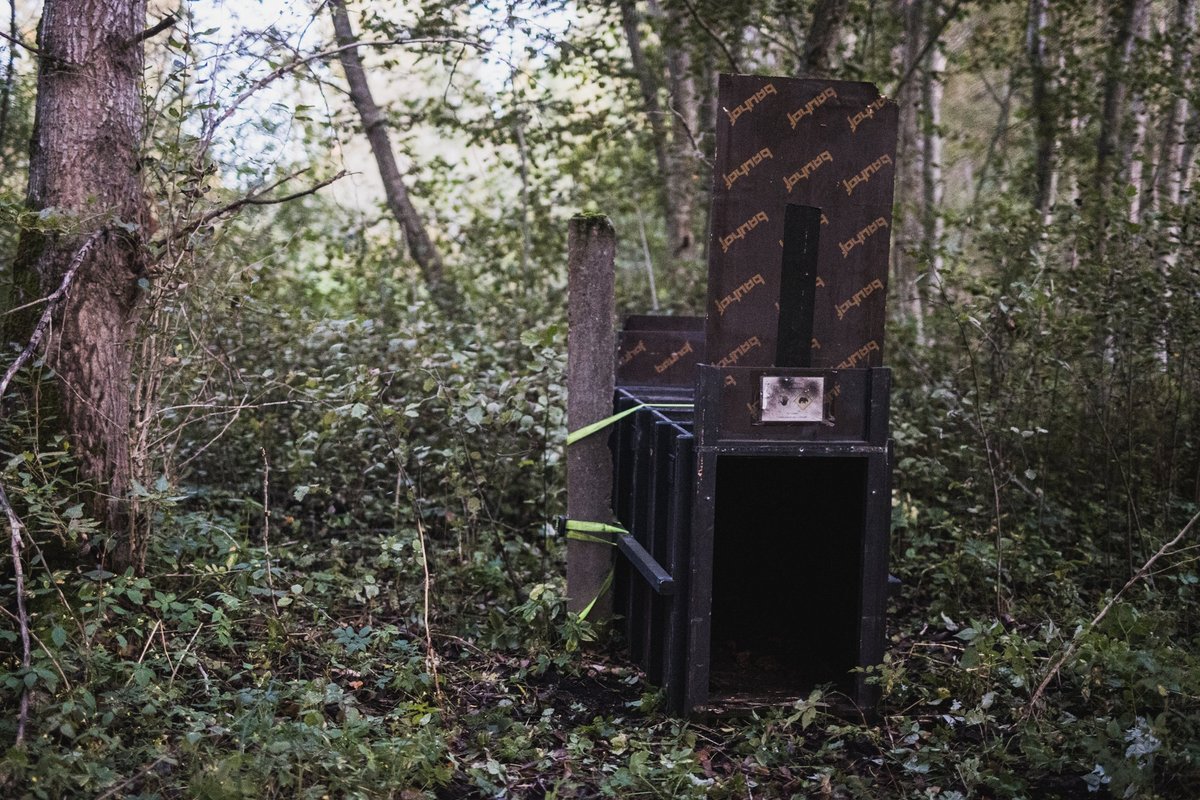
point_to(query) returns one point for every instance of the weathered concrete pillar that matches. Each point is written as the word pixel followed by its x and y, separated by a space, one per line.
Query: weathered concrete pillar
pixel 591 348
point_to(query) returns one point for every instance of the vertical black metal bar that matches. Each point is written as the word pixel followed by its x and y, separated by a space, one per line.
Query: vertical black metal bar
pixel 700 557
pixel 660 606
pixel 798 285
pixel 639 593
pixel 679 525
pixel 876 533
pixel 879 394
pixel 623 486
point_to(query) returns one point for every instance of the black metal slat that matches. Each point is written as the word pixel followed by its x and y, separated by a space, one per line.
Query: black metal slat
pixel 679 525
pixel 661 583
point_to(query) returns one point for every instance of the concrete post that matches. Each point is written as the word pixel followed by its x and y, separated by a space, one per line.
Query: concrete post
pixel 591 348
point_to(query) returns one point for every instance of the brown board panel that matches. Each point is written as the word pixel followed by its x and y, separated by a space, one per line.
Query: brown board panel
pixel 658 357
pixel 662 322
pixel 825 144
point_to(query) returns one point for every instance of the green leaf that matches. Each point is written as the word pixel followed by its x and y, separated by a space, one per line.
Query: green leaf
pixel 58 636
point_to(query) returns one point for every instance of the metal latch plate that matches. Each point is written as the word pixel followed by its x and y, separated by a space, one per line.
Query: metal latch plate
pixel 793 398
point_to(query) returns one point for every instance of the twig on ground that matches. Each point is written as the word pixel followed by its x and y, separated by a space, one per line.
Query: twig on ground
pixel 266 533
pixel 15 526
pixel 1031 708
pixel 183 655
pixel 431 657
pixel 49 653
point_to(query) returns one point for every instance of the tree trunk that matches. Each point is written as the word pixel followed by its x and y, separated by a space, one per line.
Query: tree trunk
pixel 1168 179
pixel 85 174
pixel 1129 20
pixel 682 155
pixel 909 229
pixel 931 157
pixel 1132 165
pixel 1172 170
pixel 375 127
pixel 824 36
pixel 649 85
pixel 1041 108
pixel 10 82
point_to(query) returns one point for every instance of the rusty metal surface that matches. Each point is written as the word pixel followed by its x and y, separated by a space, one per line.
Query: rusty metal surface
pixel 792 398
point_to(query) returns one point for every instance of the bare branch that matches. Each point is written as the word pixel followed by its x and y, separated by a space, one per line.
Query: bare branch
pixel 51 303
pixel 1032 706
pixel 258 198
pixel 720 40
pixel 12 39
pixel 15 527
pixel 166 22
pixel 299 63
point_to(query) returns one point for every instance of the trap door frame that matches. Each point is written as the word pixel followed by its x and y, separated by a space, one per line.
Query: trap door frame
pixel 872 445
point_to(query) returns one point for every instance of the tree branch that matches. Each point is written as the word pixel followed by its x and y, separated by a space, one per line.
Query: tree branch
pixel 1066 655
pixel 733 63
pixel 15 526
pixel 252 199
pixel 299 63
pixel 166 22
pixel 12 39
pixel 51 302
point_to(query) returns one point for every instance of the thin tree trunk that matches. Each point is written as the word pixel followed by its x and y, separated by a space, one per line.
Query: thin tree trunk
pixel 84 171
pixel 1168 180
pixel 10 78
pixel 682 155
pixel 824 36
pixel 1129 17
pixel 909 183
pixel 1041 107
pixel 1172 171
pixel 649 85
pixel 1132 165
pixel 931 157
pixel 375 127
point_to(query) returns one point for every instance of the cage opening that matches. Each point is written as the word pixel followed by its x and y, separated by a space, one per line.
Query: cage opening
pixel 787 572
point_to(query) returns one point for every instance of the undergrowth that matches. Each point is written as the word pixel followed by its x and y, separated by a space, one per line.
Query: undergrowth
pixel 280 649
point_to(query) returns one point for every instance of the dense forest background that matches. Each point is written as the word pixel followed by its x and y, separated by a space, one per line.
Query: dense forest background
pixel 324 566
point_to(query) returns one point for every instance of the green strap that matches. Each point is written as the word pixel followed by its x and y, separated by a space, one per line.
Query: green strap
pixel 583 537
pixel 608 579
pixel 593 527
pixel 582 531
pixel 588 430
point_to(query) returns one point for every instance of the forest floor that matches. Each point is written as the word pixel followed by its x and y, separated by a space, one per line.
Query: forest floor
pixel 219 678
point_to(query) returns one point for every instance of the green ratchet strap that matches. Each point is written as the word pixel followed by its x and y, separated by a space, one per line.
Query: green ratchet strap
pixel 588 430
pixel 582 531
pixel 608 579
